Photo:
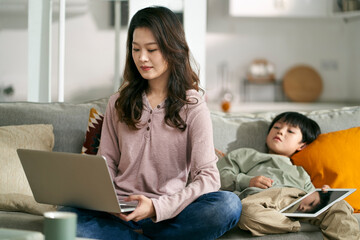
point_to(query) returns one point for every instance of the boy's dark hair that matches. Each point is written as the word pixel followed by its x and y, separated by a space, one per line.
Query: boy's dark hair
pixel 309 128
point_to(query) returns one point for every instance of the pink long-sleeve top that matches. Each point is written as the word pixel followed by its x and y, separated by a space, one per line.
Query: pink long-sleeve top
pixel 155 160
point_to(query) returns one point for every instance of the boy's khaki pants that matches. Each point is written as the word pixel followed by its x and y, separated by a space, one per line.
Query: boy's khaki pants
pixel 260 215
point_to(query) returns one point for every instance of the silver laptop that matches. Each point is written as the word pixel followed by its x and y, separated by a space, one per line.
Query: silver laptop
pixel 69 179
pixel 316 202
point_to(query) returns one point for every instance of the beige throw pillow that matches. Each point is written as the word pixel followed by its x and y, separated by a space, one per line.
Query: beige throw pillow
pixel 15 192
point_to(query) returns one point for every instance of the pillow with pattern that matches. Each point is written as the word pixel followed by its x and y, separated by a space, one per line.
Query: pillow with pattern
pixel 93 132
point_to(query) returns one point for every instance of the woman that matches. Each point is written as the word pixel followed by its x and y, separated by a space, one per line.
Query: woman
pixel 157 130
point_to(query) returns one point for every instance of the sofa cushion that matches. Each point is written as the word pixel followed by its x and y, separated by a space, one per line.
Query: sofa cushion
pixel 237 130
pixel 219 153
pixel 333 159
pixel 336 119
pixel 21 220
pixel 68 119
pixel 93 132
pixel 233 131
pixel 15 192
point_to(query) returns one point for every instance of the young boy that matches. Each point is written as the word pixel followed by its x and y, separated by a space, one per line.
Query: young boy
pixel 268 182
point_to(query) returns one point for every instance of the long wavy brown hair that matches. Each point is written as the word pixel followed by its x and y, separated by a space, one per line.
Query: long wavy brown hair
pixel 170 37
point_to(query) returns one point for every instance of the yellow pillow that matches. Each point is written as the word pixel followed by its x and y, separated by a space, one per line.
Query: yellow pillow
pixel 333 159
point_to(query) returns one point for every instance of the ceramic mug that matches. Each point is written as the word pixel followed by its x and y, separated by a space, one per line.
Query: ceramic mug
pixel 60 225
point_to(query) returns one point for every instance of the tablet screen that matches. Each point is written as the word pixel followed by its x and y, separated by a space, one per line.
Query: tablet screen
pixel 316 202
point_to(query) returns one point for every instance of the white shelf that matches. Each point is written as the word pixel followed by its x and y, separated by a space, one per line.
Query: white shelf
pixel 257 107
pixel 347 15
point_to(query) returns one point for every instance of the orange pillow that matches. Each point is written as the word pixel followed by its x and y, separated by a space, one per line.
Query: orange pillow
pixel 333 159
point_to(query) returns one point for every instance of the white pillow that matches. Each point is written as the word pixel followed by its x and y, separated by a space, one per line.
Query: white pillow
pixel 15 192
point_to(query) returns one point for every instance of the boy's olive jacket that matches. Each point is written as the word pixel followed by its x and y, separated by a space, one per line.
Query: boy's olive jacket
pixel 239 166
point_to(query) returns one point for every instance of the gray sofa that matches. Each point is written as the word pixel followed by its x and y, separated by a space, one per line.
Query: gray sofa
pixel 231 131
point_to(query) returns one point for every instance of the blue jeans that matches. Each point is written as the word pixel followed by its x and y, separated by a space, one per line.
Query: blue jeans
pixel 208 217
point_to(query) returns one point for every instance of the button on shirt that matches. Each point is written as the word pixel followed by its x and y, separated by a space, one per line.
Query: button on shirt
pixel 155 160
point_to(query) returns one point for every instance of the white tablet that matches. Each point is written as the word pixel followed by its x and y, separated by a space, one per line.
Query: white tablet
pixel 316 202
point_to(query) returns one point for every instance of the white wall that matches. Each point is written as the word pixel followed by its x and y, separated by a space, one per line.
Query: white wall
pixel 354 59
pixel 13 54
pixel 89 54
pixel 329 45
pixel 89 57
pixel 89 50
